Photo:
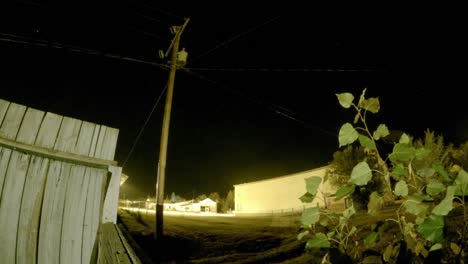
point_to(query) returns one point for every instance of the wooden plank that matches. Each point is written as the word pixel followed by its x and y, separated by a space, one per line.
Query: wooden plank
pixel 12 121
pixel 57 155
pixel 5 154
pixel 111 199
pixel 85 138
pixel 31 204
pixel 30 126
pixel 10 205
pixel 49 129
pixel 15 178
pixel 110 143
pixel 92 149
pixel 130 252
pixel 74 211
pixel 68 135
pixel 111 248
pixel 92 214
pixel 3 109
pixel 100 142
pixel 52 212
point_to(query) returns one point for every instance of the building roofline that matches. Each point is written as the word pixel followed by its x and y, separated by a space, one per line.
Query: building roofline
pixel 284 176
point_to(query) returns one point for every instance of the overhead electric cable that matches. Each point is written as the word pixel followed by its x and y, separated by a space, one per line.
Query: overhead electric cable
pixel 231 39
pixel 41 43
pixel 283 111
pixel 143 127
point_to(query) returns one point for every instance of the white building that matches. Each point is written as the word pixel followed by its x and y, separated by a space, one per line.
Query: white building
pixel 281 194
pixel 206 205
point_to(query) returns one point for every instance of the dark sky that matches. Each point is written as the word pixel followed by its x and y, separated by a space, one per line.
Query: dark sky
pixel 257 97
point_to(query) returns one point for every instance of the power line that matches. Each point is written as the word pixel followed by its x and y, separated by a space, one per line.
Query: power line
pixel 143 127
pixel 153 19
pixel 224 43
pixel 167 13
pixel 42 43
pixel 280 110
pixel 280 69
pixel 145 33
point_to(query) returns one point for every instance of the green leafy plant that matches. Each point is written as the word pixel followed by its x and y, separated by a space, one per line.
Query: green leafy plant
pixel 426 177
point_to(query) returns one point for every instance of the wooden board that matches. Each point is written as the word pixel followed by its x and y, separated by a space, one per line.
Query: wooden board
pixel 3 109
pixel 110 143
pixel 85 139
pixel 111 200
pixel 72 226
pixel 5 154
pixel 15 177
pixel 92 214
pixel 28 229
pixel 49 129
pixel 30 126
pixel 10 205
pixel 12 121
pixel 68 135
pixel 52 213
pixel 111 248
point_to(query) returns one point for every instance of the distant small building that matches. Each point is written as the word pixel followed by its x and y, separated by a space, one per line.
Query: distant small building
pixel 281 195
pixel 206 205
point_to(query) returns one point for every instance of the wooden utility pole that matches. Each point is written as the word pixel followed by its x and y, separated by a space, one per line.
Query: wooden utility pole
pixel 174 48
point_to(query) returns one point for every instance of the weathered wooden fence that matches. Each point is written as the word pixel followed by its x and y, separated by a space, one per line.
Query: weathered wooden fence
pixel 54 175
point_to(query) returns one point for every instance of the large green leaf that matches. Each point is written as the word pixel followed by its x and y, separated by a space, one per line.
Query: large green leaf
pixel 345 99
pixel 436 246
pixel 439 168
pixel 414 205
pixel 320 240
pixel 421 153
pixel 401 188
pixel 347 134
pixel 402 152
pixel 344 191
pixel 375 203
pixel 361 174
pixel 399 172
pixel 434 187
pixel 382 131
pixel 371 239
pixel 461 183
pixel 404 139
pixel 307 197
pixel 312 184
pixel 372 104
pixel 446 205
pixel 310 216
pixel 425 172
pixel 366 142
pixel 432 228
pixel 462 177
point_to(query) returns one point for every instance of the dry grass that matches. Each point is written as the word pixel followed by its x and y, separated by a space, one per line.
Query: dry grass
pixel 192 239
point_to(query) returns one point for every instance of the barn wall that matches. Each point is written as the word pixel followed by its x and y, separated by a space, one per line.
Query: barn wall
pixel 278 195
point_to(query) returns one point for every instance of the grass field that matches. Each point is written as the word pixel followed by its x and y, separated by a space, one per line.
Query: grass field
pixel 266 239
pixel 215 239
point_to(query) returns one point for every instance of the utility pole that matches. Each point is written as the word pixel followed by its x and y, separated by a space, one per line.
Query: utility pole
pixel 174 48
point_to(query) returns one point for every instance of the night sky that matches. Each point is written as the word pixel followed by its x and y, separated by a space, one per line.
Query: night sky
pixel 257 97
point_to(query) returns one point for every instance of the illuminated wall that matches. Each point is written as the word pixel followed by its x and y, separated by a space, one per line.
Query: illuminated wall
pixel 278 195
